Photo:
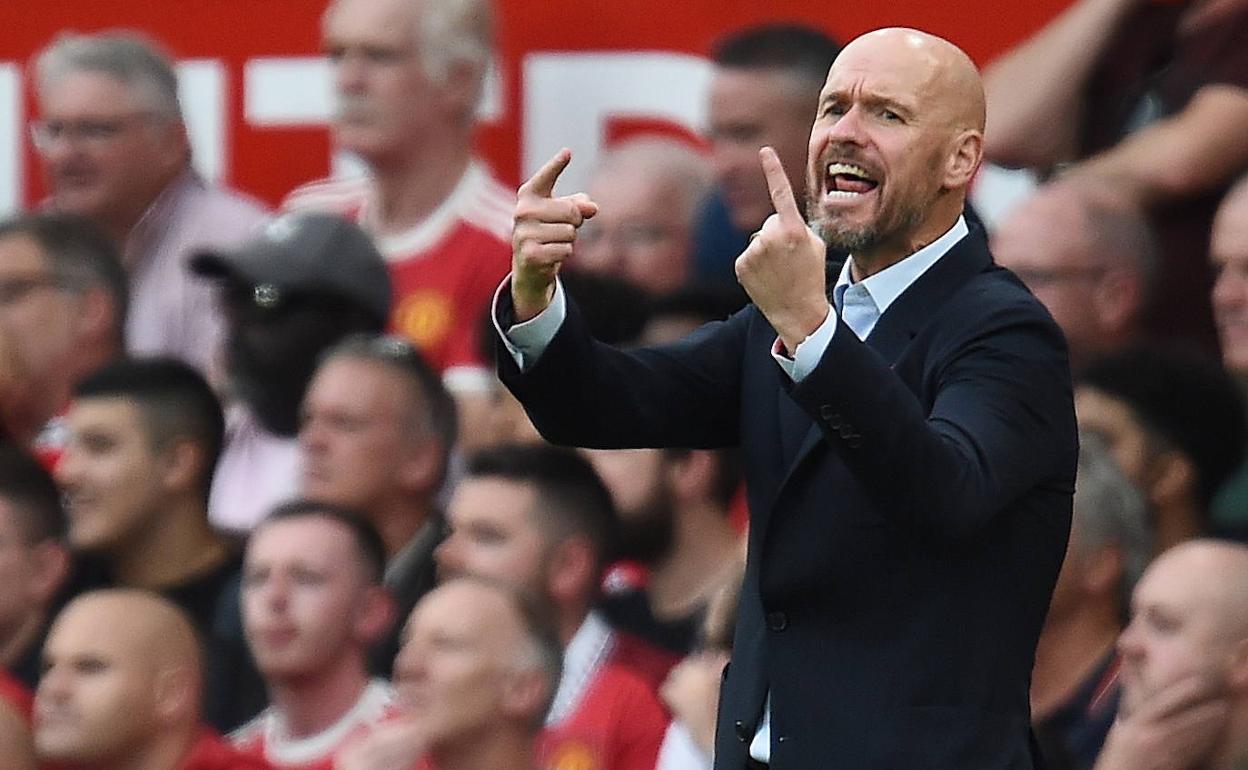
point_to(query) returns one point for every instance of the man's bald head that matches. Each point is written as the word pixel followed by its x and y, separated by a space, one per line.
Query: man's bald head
pixel 897 138
pixel 1189 622
pixel 122 674
pixel 950 79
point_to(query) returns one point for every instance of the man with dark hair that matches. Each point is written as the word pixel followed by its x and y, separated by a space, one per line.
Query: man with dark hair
pixel 114 148
pixel 34 561
pixel 377 432
pixel 313 604
pixel 144 439
pixel 62 315
pixel 1176 425
pixel 478 670
pixel 306 282
pixel 763 91
pixel 539 519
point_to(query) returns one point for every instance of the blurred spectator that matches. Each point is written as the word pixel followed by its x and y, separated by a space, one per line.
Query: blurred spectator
pixel 312 606
pixel 539 520
pixel 1174 422
pixel 1075 683
pixel 675 539
pixel 1184 671
pixel 306 282
pixel 16 703
pixel 34 561
pixel 1229 247
pixel 144 438
pixel 114 148
pixel 1147 100
pixel 1088 258
pixel 691 690
pixel 763 91
pixel 648 191
pixel 62 312
pixel 122 682
pixel 377 434
pixel 408 76
pixel 477 673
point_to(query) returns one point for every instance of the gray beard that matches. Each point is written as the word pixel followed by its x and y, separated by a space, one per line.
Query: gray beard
pixel 840 238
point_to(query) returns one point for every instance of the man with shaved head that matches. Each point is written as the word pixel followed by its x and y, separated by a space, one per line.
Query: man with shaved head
pixel 476 675
pixel 909 437
pixel 1185 664
pixel 122 680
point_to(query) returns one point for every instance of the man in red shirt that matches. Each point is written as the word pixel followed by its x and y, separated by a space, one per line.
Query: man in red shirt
pixel 408 76
pixel 477 671
pixel 122 679
pixel 539 520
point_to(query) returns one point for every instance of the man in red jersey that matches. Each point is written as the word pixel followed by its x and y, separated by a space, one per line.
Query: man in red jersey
pixel 476 674
pixel 408 75
pixel 122 680
pixel 540 520
pixel 313 604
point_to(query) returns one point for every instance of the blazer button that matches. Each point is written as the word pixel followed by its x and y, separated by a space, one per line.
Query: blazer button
pixel 743 731
pixel 777 620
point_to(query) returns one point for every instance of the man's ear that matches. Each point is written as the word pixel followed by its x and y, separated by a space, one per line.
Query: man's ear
pixel 376 614
pixel 572 565
pixel 1119 297
pixel 97 317
pixel 525 694
pixel 963 160
pixel 184 464
pixel 175 694
pixel 51 560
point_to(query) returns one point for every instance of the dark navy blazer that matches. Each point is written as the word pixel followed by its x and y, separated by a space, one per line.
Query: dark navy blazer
pixel 910 503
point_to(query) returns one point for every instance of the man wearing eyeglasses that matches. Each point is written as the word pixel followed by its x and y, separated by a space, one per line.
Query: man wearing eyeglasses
pixel 62 315
pixel 114 148
pixel 1090 259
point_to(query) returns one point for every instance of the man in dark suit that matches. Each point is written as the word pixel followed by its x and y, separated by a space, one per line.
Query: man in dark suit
pixel 910 446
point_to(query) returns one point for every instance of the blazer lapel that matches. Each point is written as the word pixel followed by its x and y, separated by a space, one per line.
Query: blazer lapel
pixel 903 320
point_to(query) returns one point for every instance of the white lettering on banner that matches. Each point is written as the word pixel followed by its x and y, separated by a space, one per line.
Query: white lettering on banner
pixel 10 137
pixel 201 90
pixel 569 96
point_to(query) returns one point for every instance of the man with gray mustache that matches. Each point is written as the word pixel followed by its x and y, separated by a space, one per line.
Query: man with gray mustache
pixel 408 75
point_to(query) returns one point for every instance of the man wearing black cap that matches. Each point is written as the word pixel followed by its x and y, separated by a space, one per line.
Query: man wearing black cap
pixel 306 282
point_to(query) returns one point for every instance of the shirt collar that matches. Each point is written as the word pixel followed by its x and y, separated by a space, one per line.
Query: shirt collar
pixel 584 655
pixel 888 284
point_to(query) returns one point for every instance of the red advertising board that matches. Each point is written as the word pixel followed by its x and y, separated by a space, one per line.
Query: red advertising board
pixel 566 71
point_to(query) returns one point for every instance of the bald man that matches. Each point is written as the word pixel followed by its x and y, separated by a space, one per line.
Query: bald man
pixel 1185 664
pixel 122 681
pixel 909 438
pixel 475 677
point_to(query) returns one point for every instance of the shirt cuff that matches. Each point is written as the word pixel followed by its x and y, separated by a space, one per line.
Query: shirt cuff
pixel 528 340
pixel 808 352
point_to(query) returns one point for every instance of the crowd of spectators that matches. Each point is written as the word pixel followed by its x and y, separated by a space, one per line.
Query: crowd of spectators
pixel 264 502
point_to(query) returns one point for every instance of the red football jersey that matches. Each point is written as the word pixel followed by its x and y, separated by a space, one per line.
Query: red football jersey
pixel 444 270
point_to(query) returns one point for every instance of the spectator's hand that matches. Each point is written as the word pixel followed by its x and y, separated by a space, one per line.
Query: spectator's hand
pixel 395 745
pixel 783 267
pixel 545 227
pixel 691 693
pixel 1174 730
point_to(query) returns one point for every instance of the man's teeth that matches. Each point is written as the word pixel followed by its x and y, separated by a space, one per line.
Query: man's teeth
pixel 849 169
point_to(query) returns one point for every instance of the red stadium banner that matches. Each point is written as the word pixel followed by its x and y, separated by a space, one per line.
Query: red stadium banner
pixel 567 73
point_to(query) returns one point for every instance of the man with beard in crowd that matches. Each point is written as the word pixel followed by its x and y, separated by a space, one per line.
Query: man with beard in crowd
pixel 307 282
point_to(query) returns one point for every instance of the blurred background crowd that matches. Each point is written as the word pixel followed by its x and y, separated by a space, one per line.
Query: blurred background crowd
pixel 264 503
